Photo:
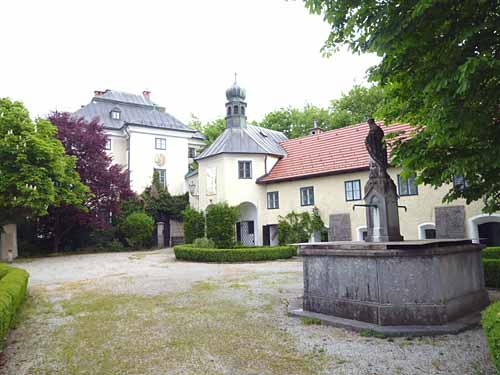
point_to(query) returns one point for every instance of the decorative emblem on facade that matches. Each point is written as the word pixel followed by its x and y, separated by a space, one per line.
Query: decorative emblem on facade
pixel 160 160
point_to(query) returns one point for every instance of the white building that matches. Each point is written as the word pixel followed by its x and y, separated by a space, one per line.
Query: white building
pixel 267 176
pixel 143 138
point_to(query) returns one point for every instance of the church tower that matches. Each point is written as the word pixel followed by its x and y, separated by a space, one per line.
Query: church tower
pixel 236 107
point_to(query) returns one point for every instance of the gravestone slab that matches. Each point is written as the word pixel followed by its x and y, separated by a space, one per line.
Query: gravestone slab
pixel 340 227
pixel 450 222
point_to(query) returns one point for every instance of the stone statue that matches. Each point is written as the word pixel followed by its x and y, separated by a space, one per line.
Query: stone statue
pixel 377 150
pixel 382 217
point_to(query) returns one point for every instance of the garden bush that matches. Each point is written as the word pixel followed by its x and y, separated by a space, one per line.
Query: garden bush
pixel 246 254
pixel 491 326
pixel 221 221
pixel 491 253
pixel 194 224
pixel 491 272
pixel 137 229
pixel 203 243
pixel 13 288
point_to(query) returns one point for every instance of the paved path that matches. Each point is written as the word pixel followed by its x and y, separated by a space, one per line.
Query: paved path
pixel 146 313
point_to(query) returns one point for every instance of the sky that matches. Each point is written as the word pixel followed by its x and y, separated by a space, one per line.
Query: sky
pixel 54 54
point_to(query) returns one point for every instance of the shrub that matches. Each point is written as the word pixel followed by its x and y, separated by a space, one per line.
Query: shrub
pixel 491 272
pixel 221 221
pixel 194 224
pixel 204 243
pixel 491 253
pixel 13 288
pixel 491 326
pixel 294 228
pixel 137 229
pixel 247 254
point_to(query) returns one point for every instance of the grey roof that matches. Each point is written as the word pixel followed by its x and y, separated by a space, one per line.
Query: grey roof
pixel 194 172
pixel 134 110
pixel 248 140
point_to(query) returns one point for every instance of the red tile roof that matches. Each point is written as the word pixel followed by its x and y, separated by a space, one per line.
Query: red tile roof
pixel 332 152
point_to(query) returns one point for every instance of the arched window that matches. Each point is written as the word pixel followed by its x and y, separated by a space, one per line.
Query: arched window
pixel 235 109
pixel 229 111
pixel 426 231
pixel 242 110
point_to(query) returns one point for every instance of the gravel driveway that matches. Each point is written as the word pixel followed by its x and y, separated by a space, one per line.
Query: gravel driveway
pixel 146 313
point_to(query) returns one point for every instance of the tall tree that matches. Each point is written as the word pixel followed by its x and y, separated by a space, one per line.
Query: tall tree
pixel 107 182
pixel 211 130
pixel 34 170
pixel 359 104
pixel 441 66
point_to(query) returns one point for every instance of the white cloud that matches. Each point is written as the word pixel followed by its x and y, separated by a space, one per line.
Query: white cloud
pixel 56 53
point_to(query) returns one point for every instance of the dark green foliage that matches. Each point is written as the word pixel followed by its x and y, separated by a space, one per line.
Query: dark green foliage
pixel 491 326
pixel 221 221
pixel 203 243
pixel 298 227
pixel 211 130
pixel 491 272
pixel 491 253
pixel 358 105
pixel 247 254
pixel 13 289
pixel 137 229
pixel 131 205
pixel 194 224
pixel 440 68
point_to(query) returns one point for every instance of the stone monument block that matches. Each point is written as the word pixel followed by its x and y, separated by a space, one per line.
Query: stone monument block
pixel 450 222
pixel 340 227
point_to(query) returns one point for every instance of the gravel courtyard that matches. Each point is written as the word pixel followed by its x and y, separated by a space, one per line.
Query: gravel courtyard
pixel 145 313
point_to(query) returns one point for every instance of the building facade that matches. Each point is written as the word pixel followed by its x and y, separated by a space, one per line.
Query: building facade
pixel 142 138
pixel 267 176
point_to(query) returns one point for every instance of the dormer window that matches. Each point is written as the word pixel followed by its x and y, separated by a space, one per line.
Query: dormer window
pixel 115 114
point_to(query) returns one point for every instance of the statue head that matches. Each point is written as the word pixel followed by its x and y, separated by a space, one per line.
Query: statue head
pixel 372 123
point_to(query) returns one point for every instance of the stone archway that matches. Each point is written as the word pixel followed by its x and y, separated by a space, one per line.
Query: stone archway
pixel 247 226
pixel 485 226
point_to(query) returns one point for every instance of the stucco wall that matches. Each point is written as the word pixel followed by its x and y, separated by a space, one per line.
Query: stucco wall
pixel 118 152
pixel 143 153
pixel 329 197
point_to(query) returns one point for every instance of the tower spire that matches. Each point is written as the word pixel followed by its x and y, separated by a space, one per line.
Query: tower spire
pixel 236 106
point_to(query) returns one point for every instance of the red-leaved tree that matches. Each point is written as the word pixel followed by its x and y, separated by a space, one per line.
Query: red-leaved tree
pixel 108 183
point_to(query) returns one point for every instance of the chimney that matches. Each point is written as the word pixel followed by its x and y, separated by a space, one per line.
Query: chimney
pixel 315 129
pixel 98 92
pixel 146 94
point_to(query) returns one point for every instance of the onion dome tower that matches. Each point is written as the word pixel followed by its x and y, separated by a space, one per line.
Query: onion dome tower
pixel 236 106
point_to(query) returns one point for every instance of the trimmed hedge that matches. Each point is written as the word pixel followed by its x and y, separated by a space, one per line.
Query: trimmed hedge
pixel 491 326
pixel 248 254
pixel 491 253
pixel 491 272
pixel 13 288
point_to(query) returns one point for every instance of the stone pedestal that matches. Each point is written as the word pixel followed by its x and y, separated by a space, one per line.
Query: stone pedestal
pixel 160 227
pixel 395 288
pixel 382 216
pixel 8 243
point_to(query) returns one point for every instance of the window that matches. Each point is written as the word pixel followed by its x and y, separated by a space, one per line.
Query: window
pixel 460 183
pixel 244 169
pixel 307 196
pixel 160 143
pixel 229 111
pixel 235 109
pixel 352 190
pixel 108 144
pixel 242 110
pixel 191 152
pixel 162 174
pixel 273 200
pixel 430 234
pixel 115 115
pixel 407 186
